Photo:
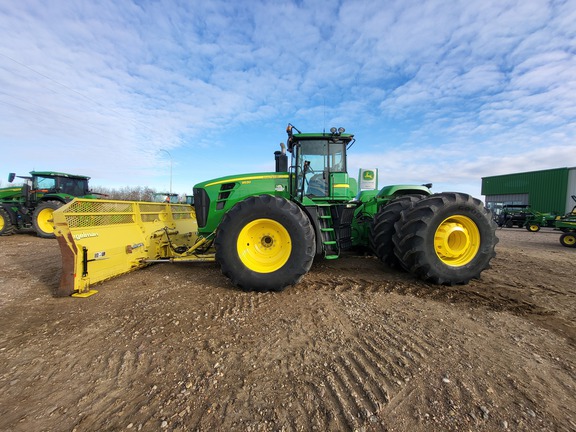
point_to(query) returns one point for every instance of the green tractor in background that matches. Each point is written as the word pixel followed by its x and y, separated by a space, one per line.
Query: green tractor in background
pixel 537 220
pixel 32 204
pixel 269 227
pixel 514 215
pixel 567 224
pixel 165 197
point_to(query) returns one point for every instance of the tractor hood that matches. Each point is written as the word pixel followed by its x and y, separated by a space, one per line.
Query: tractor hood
pixel 9 193
pixel 215 197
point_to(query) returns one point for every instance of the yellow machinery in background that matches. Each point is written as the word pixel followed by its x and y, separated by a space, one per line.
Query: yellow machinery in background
pixel 100 239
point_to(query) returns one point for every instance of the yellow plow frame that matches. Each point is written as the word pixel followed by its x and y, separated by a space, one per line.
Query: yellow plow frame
pixel 100 239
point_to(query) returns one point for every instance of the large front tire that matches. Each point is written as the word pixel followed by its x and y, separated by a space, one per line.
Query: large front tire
pixel 447 238
pixel 265 243
pixel 6 225
pixel 42 219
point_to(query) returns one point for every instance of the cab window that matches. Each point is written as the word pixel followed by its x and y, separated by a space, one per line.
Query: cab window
pixel 48 183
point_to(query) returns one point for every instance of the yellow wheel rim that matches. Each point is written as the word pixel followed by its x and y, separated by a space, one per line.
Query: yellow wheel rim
pixel 45 221
pixel 569 240
pixel 533 228
pixel 264 245
pixel 2 223
pixel 457 240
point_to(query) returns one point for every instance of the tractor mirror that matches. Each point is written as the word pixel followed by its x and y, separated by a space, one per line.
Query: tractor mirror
pixel 11 177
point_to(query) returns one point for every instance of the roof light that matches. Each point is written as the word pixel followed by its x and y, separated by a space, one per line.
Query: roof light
pixel 333 130
pixel 341 130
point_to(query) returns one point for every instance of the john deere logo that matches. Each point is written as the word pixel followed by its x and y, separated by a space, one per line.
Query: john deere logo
pixel 368 175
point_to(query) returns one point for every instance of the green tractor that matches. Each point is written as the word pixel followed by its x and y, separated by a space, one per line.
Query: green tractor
pixel 567 224
pixel 32 205
pixel 514 215
pixel 165 197
pixel 537 220
pixel 269 227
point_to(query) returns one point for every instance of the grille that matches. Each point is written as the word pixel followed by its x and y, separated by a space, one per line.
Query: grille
pixel 202 204
pixel 84 213
pixel 97 213
pixel 85 206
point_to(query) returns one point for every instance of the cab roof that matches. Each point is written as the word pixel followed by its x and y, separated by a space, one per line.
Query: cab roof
pixel 322 135
pixel 57 174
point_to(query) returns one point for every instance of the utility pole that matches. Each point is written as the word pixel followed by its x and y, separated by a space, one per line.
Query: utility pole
pixel 170 156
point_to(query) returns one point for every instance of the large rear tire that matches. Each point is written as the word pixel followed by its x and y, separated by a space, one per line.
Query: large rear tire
pixel 382 229
pixel 6 226
pixel 265 243
pixel 42 218
pixel 447 238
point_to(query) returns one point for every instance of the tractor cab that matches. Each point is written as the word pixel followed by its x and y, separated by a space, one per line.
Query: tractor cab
pixel 319 165
pixel 41 193
pixel 58 183
pixel 52 185
pixel 165 197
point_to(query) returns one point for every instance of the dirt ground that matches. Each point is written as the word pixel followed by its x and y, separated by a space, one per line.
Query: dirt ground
pixel 354 346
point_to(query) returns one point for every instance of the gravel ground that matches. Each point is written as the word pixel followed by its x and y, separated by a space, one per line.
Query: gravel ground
pixel 354 346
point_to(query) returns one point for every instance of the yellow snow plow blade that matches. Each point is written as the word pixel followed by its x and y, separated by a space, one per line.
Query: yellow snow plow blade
pixel 100 239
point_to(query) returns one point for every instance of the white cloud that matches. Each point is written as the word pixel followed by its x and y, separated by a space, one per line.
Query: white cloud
pixel 450 90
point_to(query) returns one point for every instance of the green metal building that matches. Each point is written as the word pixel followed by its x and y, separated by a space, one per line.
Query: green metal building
pixel 544 191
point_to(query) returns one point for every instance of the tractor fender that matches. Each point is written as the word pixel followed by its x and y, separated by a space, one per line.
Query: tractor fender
pixel 395 190
pixel 56 198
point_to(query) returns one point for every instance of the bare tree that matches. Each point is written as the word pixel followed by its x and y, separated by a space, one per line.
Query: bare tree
pixel 127 193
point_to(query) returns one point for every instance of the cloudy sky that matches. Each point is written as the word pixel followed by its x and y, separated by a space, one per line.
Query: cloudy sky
pixel 435 91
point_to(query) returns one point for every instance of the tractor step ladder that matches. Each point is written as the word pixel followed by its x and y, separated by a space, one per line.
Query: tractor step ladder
pixel 329 241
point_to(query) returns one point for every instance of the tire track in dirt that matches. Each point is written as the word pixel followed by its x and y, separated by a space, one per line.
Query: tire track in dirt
pixel 351 387
pixel 78 387
pixel 477 294
pixel 242 303
pixel 125 364
pixel 347 396
pixel 304 408
pixel 390 357
pixel 354 346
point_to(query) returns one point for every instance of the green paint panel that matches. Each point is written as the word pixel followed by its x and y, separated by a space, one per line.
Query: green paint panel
pixel 546 189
